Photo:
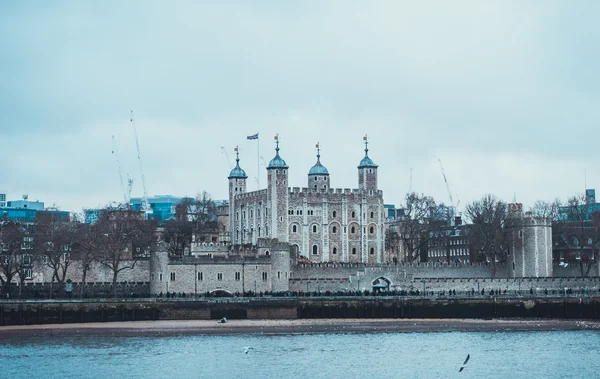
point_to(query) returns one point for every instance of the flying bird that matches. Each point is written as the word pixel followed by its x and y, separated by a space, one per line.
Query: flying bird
pixel 465 363
pixel 247 349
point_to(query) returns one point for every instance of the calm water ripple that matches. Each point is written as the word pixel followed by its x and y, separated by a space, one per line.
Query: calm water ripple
pixel 568 354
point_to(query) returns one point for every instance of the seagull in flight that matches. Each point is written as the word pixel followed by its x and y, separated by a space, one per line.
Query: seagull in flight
pixel 465 363
pixel 247 349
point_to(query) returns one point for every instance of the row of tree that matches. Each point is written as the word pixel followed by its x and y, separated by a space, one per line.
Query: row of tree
pixel 575 228
pixel 117 241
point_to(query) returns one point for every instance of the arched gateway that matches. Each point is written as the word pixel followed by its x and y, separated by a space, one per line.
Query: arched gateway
pixel 381 284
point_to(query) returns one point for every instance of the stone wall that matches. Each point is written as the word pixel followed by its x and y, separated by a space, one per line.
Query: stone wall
pixel 92 290
pixel 260 272
pixel 97 273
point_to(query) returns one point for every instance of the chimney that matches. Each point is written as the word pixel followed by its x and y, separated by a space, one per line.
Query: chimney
pixel 457 220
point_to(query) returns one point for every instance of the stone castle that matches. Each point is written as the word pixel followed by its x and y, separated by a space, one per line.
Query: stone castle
pixel 319 222
pixel 341 233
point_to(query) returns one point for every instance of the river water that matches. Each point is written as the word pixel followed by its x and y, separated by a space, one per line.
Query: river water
pixel 558 354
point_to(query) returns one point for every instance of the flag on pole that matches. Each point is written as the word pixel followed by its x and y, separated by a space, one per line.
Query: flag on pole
pixel 254 136
pixel 365 138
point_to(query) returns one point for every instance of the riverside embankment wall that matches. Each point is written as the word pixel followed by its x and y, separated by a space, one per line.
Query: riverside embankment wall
pixel 431 276
pixel 30 313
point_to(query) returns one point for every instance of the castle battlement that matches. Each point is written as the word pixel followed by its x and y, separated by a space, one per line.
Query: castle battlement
pixel 222 259
pixel 422 265
pixel 258 195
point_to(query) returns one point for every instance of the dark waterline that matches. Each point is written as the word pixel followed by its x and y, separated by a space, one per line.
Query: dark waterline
pixel 558 354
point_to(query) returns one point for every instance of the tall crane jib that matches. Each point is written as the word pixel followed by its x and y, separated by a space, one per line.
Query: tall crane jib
pixel 452 204
pixel 227 156
pixel 145 203
pixel 116 154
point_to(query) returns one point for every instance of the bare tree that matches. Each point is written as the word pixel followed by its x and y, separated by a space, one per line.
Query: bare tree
pixel 414 230
pixel 12 251
pixel 578 228
pixel 120 228
pixel 54 241
pixel 546 209
pixel 88 251
pixel 487 236
pixel 201 213
pixel 177 236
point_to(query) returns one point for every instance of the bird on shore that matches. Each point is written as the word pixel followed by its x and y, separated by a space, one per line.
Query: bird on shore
pixel 247 349
pixel 465 363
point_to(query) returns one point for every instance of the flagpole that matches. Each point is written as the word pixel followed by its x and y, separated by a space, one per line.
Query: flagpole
pixel 258 159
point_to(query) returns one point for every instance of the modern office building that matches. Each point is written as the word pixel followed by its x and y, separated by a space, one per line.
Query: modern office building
pixel 163 206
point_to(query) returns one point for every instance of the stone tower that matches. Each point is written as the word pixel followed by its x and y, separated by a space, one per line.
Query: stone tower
pixel 529 243
pixel 367 172
pixel 318 176
pixel 277 197
pixel 367 186
pixel 237 185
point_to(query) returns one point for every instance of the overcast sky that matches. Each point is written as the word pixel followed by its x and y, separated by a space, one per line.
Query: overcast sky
pixel 505 93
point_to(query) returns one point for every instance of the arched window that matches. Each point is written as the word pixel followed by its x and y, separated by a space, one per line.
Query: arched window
pixel 353 230
pixel 372 251
pixel 372 229
pixel 294 229
pixel 259 231
pixel 335 250
pixel 267 252
pixel 315 250
pixel 354 251
pixel 334 214
pixel 372 214
pixel 334 230
pixel 353 214
pixel 314 228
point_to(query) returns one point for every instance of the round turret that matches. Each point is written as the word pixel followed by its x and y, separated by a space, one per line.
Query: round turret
pixel 318 168
pixel 366 161
pixel 237 171
pixel 277 162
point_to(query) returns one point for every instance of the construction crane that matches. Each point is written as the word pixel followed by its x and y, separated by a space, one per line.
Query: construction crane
pixel 448 187
pixel 114 152
pixel 227 156
pixel 145 203
pixel 129 187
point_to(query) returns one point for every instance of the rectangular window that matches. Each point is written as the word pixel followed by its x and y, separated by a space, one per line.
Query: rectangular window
pixel 238 276
pixel 160 277
pixel 27 260
pixel 200 276
pixel 152 276
pixel 219 276
pixel 264 276
pixel 278 274
pixel 27 273
pixel 172 276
